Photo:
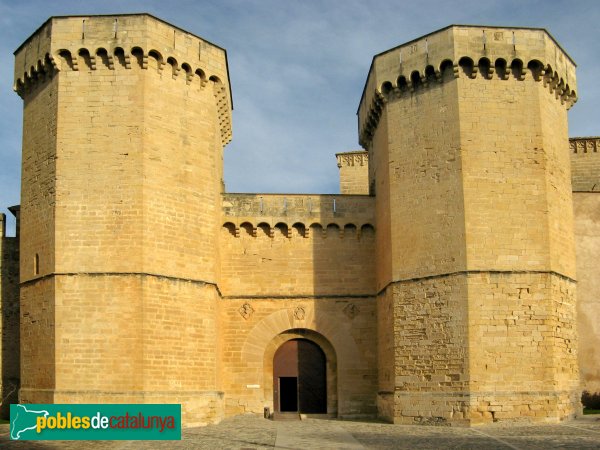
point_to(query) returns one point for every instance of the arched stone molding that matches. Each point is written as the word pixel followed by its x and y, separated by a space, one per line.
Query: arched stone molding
pixel 330 357
pixel 302 321
pixel 300 229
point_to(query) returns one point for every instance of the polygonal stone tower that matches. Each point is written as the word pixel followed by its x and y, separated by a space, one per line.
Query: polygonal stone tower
pixel 466 130
pixel 125 120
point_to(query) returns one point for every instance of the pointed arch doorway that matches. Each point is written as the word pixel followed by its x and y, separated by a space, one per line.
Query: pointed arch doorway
pixel 300 378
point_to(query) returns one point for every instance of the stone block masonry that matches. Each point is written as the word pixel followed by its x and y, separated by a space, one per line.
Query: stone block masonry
pixel 439 286
pixel 467 136
pixel 125 121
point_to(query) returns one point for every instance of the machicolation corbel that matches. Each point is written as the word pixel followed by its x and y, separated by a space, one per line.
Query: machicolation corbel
pixel 447 70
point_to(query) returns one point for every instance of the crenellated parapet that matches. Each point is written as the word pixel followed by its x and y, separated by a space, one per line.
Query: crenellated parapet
pixel 298 214
pixel 313 230
pixel 125 42
pixel 352 159
pixel 582 145
pixel 469 52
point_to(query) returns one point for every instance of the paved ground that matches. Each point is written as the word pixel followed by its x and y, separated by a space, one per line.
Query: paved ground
pixel 249 432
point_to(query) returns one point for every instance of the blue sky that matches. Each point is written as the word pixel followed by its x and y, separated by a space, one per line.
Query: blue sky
pixel 297 71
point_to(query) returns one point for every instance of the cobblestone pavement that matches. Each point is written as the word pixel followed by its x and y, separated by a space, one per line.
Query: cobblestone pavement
pixel 251 432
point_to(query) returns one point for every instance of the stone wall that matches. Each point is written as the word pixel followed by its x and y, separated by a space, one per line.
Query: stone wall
pixel 9 314
pixel 354 172
pixel 447 295
pixel 522 347
pixel 467 145
pixel 431 358
pixel 125 228
pixel 298 266
pixel 343 326
pixel 297 245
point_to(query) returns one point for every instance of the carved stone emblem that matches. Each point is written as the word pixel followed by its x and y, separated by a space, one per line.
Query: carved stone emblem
pixel 246 310
pixel 299 312
pixel 351 310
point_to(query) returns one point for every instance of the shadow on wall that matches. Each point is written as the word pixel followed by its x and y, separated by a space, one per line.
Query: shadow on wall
pixel 9 295
pixel 344 271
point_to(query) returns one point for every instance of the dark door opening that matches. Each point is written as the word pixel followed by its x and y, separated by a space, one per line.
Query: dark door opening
pixel 299 378
pixel 288 394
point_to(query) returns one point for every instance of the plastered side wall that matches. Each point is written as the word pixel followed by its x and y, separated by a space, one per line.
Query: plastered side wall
pixel 585 163
pixel 586 206
pixel 585 172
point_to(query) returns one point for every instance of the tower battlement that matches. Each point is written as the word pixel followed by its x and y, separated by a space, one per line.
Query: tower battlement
pixel 302 212
pixel 467 51
pixel 97 43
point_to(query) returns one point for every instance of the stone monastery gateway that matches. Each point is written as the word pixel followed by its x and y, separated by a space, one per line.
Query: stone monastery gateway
pixel 454 279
